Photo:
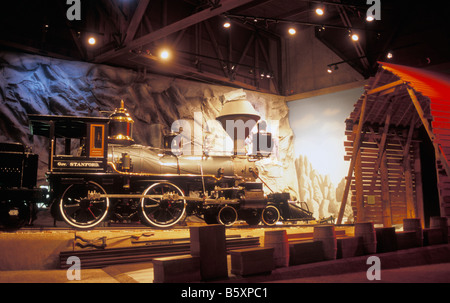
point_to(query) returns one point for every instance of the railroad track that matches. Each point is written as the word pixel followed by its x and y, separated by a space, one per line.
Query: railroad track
pixel 98 258
pixel 125 227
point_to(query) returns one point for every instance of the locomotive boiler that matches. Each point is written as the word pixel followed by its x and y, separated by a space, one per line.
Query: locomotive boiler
pixel 113 179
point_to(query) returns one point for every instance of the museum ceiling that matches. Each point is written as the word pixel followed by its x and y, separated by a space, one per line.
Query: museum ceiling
pixel 252 53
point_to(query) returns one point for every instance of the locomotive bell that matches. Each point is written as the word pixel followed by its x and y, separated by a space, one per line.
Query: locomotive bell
pixel 241 117
pixel 121 126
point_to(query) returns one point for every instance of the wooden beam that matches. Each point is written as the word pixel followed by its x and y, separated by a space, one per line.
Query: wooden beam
pixel 385 194
pixel 411 209
pixel 382 146
pixel 356 145
pixel 355 152
pixel 203 15
pixel 359 190
pixel 421 113
pixel 385 87
pixel 409 191
pixel 439 154
pixel 418 182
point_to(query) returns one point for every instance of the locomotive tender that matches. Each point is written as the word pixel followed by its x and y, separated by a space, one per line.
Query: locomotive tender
pixel 112 179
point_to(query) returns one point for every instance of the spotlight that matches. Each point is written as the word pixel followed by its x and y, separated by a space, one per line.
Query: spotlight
pixel 227 24
pixel 389 55
pixel 164 54
pixel 320 10
pixel 92 41
pixel 355 37
pixel 369 18
pixel 292 31
pixel 332 68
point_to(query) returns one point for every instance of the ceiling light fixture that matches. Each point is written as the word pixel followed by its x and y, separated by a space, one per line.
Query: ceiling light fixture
pixel 92 41
pixel 164 54
pixel 355 37
pixel 227 23
pixel 369 18
pixel 389 55
pixel 320 10
pixel 292 31
pixel 331 68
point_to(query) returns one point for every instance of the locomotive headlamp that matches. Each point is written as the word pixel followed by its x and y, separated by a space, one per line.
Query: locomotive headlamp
pixel 121 126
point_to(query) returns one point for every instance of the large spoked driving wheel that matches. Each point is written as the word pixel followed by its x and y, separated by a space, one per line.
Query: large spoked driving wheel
pixel 81 211
pixel 164 205
pixel 270 215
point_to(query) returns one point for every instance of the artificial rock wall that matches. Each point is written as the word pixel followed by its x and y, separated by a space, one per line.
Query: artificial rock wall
pixel 31 84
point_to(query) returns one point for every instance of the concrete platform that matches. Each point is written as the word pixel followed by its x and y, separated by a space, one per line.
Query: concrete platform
pixel 39 248
pixel 417 265
pixel 422 259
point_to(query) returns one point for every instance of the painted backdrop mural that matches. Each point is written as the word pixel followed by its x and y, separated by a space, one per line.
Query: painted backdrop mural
pixel 319 129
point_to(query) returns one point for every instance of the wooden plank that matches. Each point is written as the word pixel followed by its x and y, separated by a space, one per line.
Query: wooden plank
pixel 420 112
pixel 352 161
pixel 359 191
pixel 385 195
pixel 381 149
pixel 410 202
pixel 385 87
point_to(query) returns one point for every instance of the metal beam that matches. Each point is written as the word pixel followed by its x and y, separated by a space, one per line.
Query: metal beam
pixel 362 55
pixel 269 65
pixel 203 15
pixel 216 48
pixel 136 20
pixel 190 72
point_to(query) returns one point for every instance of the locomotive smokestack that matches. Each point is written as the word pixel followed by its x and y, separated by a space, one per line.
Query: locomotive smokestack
pixel 238 117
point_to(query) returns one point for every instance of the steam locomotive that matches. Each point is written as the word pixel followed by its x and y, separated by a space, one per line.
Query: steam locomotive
pixel 113 179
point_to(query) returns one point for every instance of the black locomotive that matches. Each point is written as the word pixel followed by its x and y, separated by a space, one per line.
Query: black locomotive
pixel 18 191
pixel 112 179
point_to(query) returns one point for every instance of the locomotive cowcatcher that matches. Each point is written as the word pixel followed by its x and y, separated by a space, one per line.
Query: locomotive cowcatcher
pixel 113 179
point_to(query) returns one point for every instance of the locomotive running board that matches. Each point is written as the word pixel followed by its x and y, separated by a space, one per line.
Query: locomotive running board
pixel 93 195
